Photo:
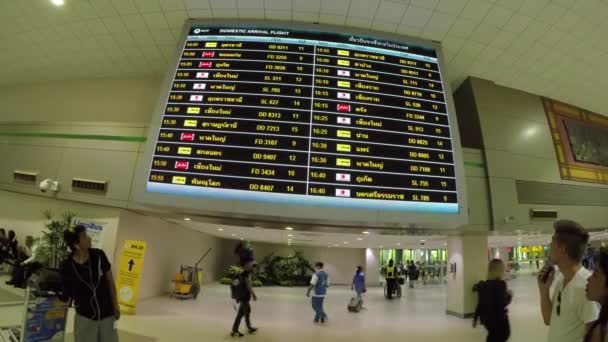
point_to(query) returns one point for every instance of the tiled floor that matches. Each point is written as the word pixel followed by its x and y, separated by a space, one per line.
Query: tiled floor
pixel 284 314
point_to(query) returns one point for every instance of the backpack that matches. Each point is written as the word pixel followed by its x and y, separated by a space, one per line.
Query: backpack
pixel 238 287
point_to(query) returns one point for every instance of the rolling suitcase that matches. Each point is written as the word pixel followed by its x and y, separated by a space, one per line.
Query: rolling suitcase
pixel 355 304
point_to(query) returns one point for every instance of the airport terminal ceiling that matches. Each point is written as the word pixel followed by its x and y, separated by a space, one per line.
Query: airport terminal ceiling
pixel 306 122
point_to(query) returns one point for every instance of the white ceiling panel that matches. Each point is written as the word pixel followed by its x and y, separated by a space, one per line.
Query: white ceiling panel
pixel 485 38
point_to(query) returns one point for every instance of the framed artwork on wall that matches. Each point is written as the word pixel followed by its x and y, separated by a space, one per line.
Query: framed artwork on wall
pixel 580 138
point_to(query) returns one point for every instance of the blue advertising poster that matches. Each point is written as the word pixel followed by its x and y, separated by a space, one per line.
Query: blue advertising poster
pixel 46 320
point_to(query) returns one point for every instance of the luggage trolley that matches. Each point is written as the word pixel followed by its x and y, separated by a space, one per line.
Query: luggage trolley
pixel 44 318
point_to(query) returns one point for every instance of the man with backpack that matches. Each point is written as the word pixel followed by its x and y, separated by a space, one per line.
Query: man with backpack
pixel 242 293
pixel 319 282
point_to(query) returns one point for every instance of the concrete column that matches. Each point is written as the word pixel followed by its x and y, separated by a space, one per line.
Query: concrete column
pixel 372 267
pixel 468 257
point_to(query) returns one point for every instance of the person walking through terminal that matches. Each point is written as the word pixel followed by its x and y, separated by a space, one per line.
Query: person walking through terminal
pixel 87 280
pixel 319 283
pixel 244 295
pixel 568 313
pixel 493 299
pixel 358 284
pixel 597 291
pixel 412 273
pixel 391 279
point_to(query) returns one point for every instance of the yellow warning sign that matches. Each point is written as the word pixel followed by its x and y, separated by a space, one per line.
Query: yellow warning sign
pixel 129 275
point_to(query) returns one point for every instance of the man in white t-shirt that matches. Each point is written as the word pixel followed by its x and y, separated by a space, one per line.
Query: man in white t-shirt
pixel 567 311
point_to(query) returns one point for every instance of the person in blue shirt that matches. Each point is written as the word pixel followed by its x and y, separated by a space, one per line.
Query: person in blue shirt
pixel 320 283
pixel 358 284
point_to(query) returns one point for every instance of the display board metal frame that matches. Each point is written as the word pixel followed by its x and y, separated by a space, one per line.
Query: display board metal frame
pixel 312 212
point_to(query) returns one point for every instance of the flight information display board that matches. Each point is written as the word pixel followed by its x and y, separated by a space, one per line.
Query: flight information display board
pixel 306 117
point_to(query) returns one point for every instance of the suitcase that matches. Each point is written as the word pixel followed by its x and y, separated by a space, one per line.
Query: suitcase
pixel 355 304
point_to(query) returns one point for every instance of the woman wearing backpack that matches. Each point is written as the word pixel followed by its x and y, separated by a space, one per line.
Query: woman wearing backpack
pixel 493 299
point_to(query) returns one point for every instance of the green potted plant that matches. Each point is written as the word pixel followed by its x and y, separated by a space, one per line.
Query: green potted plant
pixel 52 246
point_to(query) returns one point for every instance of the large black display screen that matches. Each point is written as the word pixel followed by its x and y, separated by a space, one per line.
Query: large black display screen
pixel 306 117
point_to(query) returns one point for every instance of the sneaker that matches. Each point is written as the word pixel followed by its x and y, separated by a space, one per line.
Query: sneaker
pixel 236 334
pixel 252 330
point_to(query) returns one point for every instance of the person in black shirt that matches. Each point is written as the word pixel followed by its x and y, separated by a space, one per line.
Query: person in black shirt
pixel 493 299
pixel 597 291
pixel 87 280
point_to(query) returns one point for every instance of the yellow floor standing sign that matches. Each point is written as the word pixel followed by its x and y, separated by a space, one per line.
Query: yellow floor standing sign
pixel 129 275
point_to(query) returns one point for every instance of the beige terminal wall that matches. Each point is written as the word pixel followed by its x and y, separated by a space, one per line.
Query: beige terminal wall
pixel 518 146
pixel 120 100
pixel 168 246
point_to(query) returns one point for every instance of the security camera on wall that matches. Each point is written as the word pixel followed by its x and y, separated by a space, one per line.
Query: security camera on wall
pixel 49 185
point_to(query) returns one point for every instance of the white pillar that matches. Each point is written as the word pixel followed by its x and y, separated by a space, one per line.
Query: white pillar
pixel 467 264
pixel 372 267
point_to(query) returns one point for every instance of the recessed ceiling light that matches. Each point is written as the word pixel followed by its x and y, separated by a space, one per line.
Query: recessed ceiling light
pixel 398 243
pixel 422 240
pixel 336 245
pixel 359 239
pixel 233 234
pixel 187 219
pixel 57 2
pixel 288 228
pixel 365 232
pixel 220 229
pixel 346 242
pixel 290 235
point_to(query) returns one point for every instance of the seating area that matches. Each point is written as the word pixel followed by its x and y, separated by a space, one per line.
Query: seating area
pixel 18 257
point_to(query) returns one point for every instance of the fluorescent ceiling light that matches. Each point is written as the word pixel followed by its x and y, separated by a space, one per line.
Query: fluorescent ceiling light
pixel 187 219
pixel 365 232
pixel 58 2
pixel 288 228
pixel 220 229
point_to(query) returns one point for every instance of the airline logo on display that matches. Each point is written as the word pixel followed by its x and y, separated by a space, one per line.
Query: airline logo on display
pixel 343 134
pixel 191 123
pixel 342 95
pixel 211 44
pixel 202 75
pixel 344 73
pixel 182 165
pixel 208 54
pixel 205 65
pixel 343 162
pixel 184 150
pixel 178 180
pixel 187 137
pixel 343 147
pixel 195 98
pixel 342 192
pixel 343 62
pixel 199 86
pixel 344 121
pixel 343 84
pixel 343 107
pixel 343 53
pixel 343 177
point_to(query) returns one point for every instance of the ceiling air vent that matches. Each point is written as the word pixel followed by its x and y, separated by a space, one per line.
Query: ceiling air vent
pixel 543 214
pixel 25 177
pixel 87 185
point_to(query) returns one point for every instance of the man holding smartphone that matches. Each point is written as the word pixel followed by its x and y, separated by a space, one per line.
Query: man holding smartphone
pixel 567 312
